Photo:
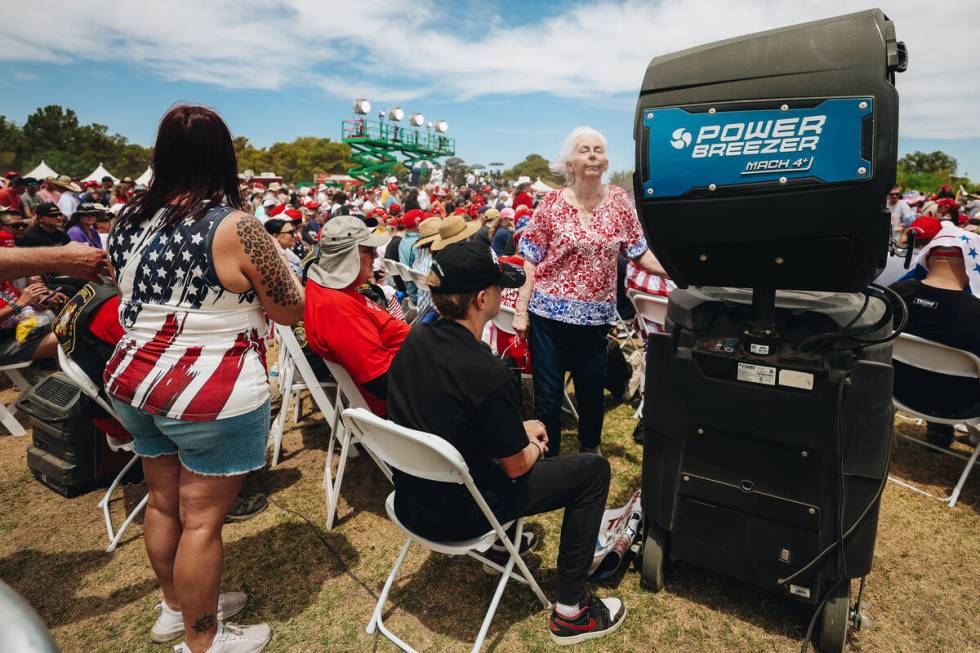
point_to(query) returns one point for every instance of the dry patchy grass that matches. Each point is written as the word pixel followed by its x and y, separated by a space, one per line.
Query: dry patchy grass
pixel 317 588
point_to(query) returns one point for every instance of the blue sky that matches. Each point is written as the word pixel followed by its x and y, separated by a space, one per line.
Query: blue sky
pixel 511 78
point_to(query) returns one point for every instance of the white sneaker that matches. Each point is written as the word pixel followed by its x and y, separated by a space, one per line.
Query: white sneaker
pixel 170 623
pixel 235 639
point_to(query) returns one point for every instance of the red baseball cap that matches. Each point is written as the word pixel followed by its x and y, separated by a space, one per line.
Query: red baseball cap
pixel 395 208
pixel 312 206
pixel 926 227
pixel 412 218
pixel 276 210
pixel 293 214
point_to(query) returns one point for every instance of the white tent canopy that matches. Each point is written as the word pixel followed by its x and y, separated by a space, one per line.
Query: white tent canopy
pixel 99 173
pixel 145 178
pixel 540 187
pixel 42 172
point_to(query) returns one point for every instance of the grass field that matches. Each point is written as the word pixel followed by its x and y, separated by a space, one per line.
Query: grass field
pixel 317 588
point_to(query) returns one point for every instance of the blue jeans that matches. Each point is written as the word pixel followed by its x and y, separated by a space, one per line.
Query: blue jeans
pixel 221 447
pixel 556 348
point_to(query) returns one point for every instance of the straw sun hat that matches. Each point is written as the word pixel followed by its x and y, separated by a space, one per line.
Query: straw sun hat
pixel 454 229
pixel 428 232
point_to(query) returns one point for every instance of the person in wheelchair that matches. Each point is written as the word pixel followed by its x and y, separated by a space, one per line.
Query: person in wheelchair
pixel 943 309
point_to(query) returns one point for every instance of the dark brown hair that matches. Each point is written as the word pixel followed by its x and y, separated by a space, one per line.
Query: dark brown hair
pixel 193 159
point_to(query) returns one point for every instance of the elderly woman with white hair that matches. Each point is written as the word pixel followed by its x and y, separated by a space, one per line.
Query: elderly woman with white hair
pixel 570 249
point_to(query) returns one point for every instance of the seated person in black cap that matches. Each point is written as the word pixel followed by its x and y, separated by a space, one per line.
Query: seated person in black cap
pixel 445 381
pixel 942 309
pixel 48 229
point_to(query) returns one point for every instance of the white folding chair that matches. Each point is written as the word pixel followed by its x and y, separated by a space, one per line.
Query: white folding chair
pixel 432 458
pixel 290 388
pixel 418 278
pixel 941 359
pixel 7 410
pixel 650 310
pixel 391 268
pixel 348 396
pixel 78 376
pixel 504 320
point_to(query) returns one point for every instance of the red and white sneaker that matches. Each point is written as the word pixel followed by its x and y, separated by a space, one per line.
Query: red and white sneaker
pixel 596 618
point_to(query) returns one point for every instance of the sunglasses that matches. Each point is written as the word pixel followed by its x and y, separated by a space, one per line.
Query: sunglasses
pixel 287 231
pixel 894 194
pixel 16 225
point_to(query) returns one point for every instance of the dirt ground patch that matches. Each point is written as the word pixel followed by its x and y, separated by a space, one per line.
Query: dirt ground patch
pixel 317 588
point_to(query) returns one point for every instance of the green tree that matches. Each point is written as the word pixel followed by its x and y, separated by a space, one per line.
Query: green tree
pixel 535 166
pixel 931 162
pixel 52 128
pixel 11 144
pixel 295 161
pixel 622 178
pixel 926 171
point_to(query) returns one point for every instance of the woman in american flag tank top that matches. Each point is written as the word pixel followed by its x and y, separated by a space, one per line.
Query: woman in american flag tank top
pixel 188 379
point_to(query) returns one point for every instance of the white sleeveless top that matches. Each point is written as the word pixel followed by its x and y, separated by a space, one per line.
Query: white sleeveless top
pixel 192 350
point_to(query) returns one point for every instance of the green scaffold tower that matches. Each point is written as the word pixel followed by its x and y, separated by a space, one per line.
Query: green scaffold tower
pixel 375 147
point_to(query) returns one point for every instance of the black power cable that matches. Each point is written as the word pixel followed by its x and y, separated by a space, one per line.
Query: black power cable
pixel 838 522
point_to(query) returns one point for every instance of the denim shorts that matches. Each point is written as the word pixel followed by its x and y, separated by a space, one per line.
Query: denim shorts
pixel 221 447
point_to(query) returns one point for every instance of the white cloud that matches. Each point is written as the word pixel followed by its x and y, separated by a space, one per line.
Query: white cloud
pixel 396 50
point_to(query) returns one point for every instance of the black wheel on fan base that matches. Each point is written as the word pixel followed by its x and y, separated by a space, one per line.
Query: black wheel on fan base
pixel 835 618
pixel 654 552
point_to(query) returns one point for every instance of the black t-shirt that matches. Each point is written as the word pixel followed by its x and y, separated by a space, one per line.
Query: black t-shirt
pixel 37 237
pixel 949 317
pixel 446 382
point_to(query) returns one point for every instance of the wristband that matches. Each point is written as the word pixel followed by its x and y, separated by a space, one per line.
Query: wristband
pixel 17 307
pixel 540 448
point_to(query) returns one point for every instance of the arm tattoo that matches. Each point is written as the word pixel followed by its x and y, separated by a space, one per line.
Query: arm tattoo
pixel 261 251
pixel 204 623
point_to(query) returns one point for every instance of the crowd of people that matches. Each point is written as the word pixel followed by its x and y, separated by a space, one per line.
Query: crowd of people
pixel 204 260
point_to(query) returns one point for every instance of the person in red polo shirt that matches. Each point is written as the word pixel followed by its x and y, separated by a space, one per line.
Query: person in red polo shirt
pixel 342 325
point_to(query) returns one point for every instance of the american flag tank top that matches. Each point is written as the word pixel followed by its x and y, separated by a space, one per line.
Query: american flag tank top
pixel 192 350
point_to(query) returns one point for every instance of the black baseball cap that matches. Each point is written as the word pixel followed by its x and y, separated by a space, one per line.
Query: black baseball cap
pixel 90 208
pixel 471 267
pixel 48 208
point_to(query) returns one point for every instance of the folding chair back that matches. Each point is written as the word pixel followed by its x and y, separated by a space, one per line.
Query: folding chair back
pixel 504 320
pixel 391 267
pixel 430 457
pixel 940 359
pixel 652 309
pixel 7 410
pixel 935 357
pixel 349 395
pixel 78 376
pixel 416 453
pixel 419 278
pixel 287 340
pixel 405 272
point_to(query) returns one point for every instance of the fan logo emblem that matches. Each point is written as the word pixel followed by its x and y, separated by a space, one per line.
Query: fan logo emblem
pixel 681 138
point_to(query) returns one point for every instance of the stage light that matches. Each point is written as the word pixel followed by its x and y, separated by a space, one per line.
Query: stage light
pixel 362 106
pixel 442 126
pixel 417 119
pixel 396 114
